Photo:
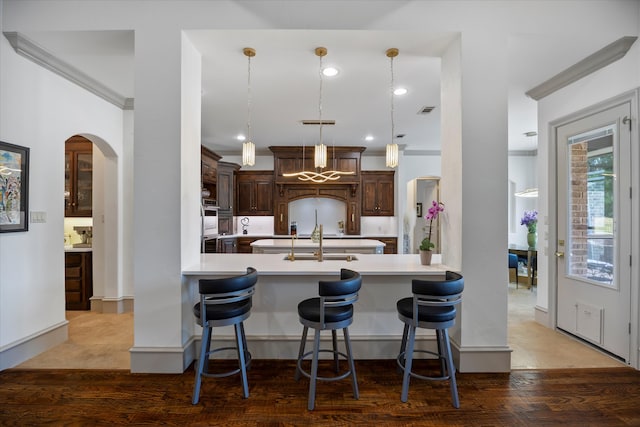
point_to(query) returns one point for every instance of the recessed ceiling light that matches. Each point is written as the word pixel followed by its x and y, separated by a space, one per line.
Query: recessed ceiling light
pixel 330 71
pixel 400 91
pixel 241 137
pixel 368 138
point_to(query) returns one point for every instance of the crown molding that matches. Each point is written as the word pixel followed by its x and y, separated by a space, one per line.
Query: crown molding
pixel 592 63
pixel 30 50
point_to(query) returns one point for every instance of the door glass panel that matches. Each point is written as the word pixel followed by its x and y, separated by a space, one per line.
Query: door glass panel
pixel 592 207
pixel 84 178
pixel 67 180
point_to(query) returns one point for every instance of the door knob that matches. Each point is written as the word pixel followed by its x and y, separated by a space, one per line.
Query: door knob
pixel 559 254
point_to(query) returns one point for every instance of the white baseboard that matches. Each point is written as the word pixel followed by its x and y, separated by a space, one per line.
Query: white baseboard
pixel 16 353
pixel 112 305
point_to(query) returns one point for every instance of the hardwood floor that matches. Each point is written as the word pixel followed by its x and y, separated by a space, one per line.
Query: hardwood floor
pixel 572 397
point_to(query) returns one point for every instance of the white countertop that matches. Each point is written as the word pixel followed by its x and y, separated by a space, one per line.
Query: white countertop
pixel 72 249
pixel 276 264
pixel 286 236
pixel 308 243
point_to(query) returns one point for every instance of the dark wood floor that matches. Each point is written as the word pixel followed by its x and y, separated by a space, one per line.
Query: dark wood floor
pixel 579 397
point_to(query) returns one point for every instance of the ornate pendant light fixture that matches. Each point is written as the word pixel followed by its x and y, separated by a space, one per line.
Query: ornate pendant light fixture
pixel 392 147
pixel 320 150
pixel 248 147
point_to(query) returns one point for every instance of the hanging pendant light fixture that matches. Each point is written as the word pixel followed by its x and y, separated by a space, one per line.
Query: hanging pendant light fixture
pixel 392 147
pixel 248 147
pixel 320 150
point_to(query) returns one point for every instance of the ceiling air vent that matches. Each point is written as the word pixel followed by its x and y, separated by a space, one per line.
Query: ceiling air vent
pixel 317 122
pixel 426 110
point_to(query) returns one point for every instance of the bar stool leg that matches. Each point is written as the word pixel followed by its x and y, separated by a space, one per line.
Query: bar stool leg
pixel 242 361
pixel 403 345
pixel 303 341
pixel 441 354
pixel 336 361
pixel 407 365
pixel 206 338
pixel 451 370
pixel 314 371
pixel 352 365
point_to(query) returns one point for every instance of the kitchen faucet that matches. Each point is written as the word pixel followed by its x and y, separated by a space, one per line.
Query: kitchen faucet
pixel 320 247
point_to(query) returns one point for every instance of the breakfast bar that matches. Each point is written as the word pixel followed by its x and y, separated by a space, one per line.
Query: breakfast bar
pixel 273 330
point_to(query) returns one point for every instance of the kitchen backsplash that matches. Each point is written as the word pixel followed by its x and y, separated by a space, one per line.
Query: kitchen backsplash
pixel 370 226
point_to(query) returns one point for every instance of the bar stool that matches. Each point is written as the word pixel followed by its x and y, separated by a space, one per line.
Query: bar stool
pixel 433 306
pixel 226 301
pixel 331 311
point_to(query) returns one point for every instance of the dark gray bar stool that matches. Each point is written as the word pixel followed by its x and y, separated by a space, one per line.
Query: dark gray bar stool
pixel 226 301
pixel 331 311
pixel 433 306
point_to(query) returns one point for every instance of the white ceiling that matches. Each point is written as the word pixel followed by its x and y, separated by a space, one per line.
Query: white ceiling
pixel 285 82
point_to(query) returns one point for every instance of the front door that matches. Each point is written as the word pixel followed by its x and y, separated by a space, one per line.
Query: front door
pixel 594 229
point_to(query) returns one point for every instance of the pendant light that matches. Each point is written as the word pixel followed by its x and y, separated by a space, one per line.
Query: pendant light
pixel 248 147
pixel 392 147
pixel 320 151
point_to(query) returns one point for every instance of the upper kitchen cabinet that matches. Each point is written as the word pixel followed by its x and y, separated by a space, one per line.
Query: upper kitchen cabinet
pixel 225 185
pixel 254 193
pixel 78 177
pixel 209 173
pixel 378 193
pixel 296 159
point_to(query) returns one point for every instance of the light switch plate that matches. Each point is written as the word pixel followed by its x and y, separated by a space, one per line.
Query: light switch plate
pixel 38 217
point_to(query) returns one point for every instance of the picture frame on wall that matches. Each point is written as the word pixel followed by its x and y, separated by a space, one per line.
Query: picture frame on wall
pixel 14 188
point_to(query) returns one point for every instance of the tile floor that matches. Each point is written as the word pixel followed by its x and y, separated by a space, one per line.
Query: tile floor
pixel 102 341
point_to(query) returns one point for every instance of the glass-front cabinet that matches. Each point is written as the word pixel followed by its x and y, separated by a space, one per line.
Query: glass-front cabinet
pixel 78 176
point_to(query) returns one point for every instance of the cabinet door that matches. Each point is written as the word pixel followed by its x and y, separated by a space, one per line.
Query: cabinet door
pixel 225 184
pixel 264 196
pixel 84 176
pixel 244 245
pixel 369 197
pixel 244 196
pixel 227 246
pixel 78 195
pixel 385 197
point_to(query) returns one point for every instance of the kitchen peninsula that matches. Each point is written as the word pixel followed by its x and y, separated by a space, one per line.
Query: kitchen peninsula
pixel 273 329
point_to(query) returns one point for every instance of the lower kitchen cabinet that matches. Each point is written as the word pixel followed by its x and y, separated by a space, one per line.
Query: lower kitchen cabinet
pixel 227 245
pixel 391 244
pixel 78 280
pixel 244 245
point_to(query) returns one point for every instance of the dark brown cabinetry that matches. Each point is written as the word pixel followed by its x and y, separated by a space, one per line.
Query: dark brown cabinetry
pixel 227 245
pixel 254 195
pixel 391 244
pixel 78 280
pixel 244 245
pixel 78 177
pixel 225 185
pixel 209 173
pixel 377 193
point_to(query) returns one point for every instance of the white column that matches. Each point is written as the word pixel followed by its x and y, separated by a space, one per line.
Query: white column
pixel 474 179
pixel 158 345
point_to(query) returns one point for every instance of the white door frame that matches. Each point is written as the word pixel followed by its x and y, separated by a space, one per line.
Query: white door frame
pixel 552 274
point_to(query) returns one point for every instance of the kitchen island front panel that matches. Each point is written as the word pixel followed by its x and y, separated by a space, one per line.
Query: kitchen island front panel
pixel 273 328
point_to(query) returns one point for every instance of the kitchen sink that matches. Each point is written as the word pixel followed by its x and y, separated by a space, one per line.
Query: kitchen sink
pixel 325 257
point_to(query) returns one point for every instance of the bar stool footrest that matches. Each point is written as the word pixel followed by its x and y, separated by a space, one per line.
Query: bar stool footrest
pixel 247 364
pixel 400 359
pixel 334 378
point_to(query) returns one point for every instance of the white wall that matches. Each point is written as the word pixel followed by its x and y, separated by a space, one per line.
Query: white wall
pixel 40 110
